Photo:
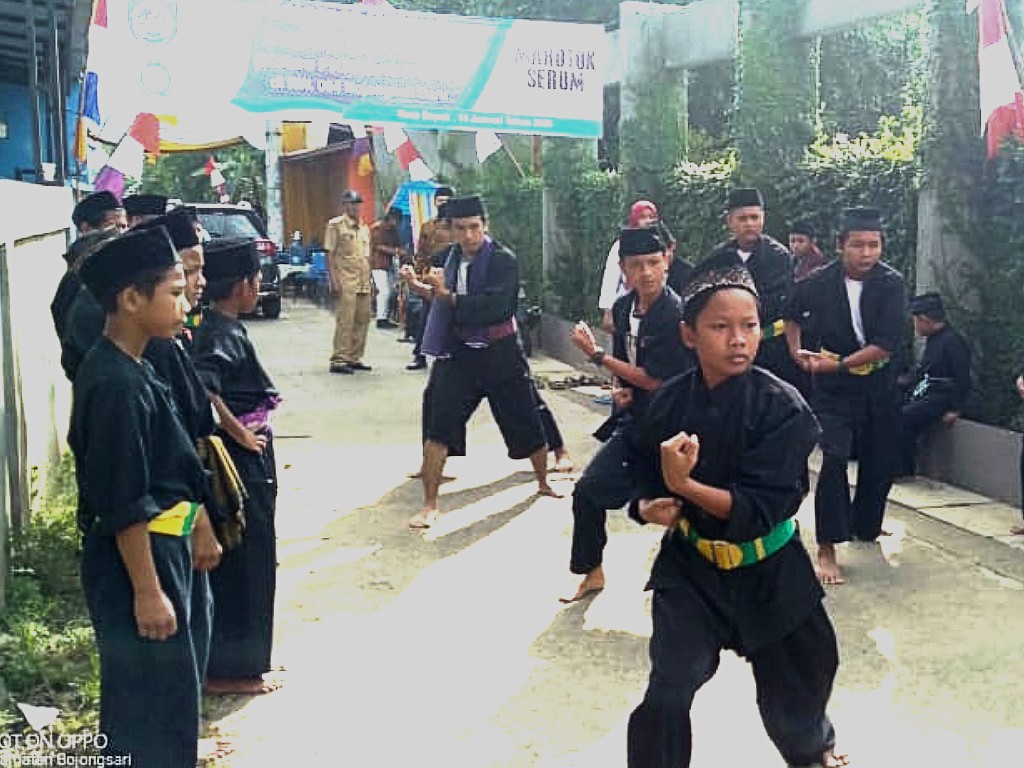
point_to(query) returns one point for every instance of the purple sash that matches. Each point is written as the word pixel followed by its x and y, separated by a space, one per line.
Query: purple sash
pixel 439 335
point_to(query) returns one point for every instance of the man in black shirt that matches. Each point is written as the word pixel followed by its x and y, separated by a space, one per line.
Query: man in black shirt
pixel 942 380
pixel 854 309
pixel 648 349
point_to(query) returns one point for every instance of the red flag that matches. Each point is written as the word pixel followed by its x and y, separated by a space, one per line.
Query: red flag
pixel 406 153
pixel 145 129
pixel 1002 100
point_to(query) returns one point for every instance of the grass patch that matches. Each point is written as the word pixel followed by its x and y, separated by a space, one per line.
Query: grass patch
pixel 47 652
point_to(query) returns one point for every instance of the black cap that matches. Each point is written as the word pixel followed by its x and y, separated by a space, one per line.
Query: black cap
pixel 442 211
pixel 351 196
pixel 145 205
pixel 802 227
pixel 230 259
pixel 744 197
pixel 466 207
pixel 639 241
pixel 716 280
pixel 90 209
pixel 444 192
pixel 119 261
pixel 927 303
pixel 179 225
pixel 89 243
pixel 395 213
pixel 861 220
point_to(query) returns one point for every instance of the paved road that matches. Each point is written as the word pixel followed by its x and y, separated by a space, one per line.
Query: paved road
pixel 402 649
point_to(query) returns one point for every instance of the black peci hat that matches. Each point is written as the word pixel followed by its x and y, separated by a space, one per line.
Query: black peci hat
pixel 466 207
pixel 179 225
pixel 927 303
pixel 145 205
pixel 90 209
pixel 802 227
pixel 230 259
pixel 119 261
pixel 717 280
pixel 861 220
pixel 351 196
pixel 744 197
pixel 639 241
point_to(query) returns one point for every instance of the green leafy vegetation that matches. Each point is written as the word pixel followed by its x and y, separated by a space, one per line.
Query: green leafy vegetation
pixel 47 653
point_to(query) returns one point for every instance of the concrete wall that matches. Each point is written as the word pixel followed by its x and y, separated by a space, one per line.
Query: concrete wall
pixel 974 456
pixel 35 399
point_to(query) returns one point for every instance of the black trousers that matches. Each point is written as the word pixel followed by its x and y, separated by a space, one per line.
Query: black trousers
pixel 245 582
pixel 552 434
pixel 868 419
pixel 915 417
pixel 794 678
pixel 606 483
pixel 149 689
pixel 416 321
pixel 202 619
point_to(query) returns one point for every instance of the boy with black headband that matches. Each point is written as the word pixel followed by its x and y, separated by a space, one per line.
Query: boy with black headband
pixel 243 396
pixel 722 463
pixel 140 482
pixel 854 309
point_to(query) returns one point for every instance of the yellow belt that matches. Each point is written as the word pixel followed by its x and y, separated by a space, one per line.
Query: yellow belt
pixel 858 370
pixel 772 330
pixel 176 521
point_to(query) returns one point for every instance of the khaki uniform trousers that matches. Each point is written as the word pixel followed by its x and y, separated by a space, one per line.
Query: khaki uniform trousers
pixel 351 323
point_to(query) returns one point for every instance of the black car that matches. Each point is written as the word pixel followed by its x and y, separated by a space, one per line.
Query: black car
pixel 226 220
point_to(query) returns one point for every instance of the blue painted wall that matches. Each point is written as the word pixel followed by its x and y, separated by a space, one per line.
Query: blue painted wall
pixel 16 149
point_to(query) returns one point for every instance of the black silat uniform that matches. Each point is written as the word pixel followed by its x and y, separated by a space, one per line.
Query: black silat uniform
pixel 608 481
pixel 943 381
pixel 173 364
pixel 854 410
pixel 755 433
pixel 83 326
pixel 245 582
pixel 771 265
pixel 133 460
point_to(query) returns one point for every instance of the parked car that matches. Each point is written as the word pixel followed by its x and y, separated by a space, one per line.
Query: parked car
pixel 226 220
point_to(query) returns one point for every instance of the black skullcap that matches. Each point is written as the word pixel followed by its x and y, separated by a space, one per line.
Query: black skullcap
pixel 802 227
pixel 145 205
pixel 927 303
pixel 442 211
pixel 90 209
pixel 89 243
pixel 230 259
pixel 179 225
pixel 395 213
pixel 466 207
pixel 861 220
pixel 444 192
pixel 118 262
pixel 716 280
pixel 638 241
pixel 744 197
pixel 351 196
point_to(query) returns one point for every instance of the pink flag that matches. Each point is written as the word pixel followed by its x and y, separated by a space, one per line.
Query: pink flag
pixel 1002 100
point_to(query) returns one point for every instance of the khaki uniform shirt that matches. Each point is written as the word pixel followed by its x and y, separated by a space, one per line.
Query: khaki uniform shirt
pixel 348 248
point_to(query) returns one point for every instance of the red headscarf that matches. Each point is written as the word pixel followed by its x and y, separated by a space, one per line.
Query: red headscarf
pixel 641 208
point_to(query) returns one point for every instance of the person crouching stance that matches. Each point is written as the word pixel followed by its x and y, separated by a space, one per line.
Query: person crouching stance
pixel 243 397
pixel 139 483
pixel 722 463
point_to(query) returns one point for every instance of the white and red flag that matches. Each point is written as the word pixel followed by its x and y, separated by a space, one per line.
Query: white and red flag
pixel 129 155
pixel 1002 100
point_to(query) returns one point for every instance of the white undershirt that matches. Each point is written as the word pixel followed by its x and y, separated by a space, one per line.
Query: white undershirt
pixel 462 286
pixel 744 255
pixel 854 289
pixel 634 334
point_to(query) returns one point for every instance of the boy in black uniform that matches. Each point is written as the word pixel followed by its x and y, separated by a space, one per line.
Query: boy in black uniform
pixel 243 396
pixel 855 310
pixel 722 462
pixel 648 348
pixel 140 482
pixel 942 379
pixel 769 264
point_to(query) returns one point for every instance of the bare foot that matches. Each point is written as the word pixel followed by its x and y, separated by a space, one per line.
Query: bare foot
pixel 832 760
pixel 543 489
pixel 828 568
pixel 1017 530
pixel 423 519
pixel 418 474
pixel 563 461
pixel 211 749
pixel 248 686
pixel 592 583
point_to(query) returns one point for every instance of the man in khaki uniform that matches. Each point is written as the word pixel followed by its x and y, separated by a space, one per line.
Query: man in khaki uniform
pixel 348 247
